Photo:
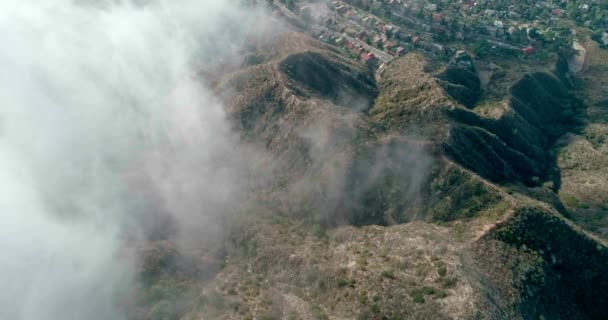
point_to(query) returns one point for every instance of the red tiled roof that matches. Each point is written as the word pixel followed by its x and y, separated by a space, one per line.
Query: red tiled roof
pixel 368 56
pixel 528 50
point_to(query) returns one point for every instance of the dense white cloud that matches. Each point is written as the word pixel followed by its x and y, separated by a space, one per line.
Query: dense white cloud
pixel 102 120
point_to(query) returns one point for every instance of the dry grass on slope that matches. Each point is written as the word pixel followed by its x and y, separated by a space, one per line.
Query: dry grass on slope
pixel 409 271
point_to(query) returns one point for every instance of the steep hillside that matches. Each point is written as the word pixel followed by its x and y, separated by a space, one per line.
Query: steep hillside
pixel 537 265
pixel 583 156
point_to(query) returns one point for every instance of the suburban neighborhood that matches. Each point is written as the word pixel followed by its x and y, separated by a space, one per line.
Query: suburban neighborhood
pixel 380 30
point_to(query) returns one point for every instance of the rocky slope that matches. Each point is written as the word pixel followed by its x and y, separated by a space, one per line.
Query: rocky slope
pixel 389 197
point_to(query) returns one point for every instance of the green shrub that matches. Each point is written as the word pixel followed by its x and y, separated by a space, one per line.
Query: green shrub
pixel 584 206
pixel 442 271
pixel 441 267
pixel 319 313
pixel 267 316
pixel 419 294
pixel 363 299
pixel 318 231
pixel 388 274
pixel 364 315
pixel 418 297
pixel 341 282
pixel 448 282
pixel 375 308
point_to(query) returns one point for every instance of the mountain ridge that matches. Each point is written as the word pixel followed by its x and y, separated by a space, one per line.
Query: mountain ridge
pixel 454 212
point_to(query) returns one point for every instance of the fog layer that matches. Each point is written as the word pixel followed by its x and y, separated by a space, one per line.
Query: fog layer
pixel 103 125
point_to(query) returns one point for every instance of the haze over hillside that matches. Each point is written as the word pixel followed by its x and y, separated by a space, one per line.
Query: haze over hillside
pixel 303 160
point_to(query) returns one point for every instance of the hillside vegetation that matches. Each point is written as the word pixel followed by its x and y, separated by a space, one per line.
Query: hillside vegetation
pixel 391 196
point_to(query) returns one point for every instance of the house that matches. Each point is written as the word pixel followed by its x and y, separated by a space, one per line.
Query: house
pixel 389 45
pixel 463 60
pixel 368 57
pixel 460 55
pixel 377 40
pixel 342 8
pixel 387 28
pixel 528 50
pixel 400 51
pixel 415 40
